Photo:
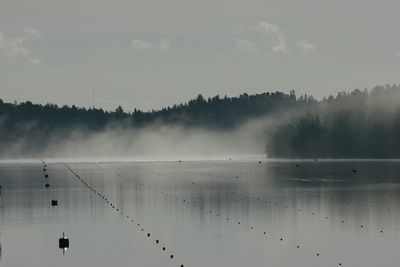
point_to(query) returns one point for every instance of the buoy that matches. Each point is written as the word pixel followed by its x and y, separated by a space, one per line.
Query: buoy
pixel 47 185
pixel 54 202
pixel 163 248
pixel 354 170
pixel 63 242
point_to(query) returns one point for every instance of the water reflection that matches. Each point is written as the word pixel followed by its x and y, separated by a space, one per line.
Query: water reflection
pixel 235 213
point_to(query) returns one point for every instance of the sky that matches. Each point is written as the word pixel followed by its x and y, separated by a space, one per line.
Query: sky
pixel 148 54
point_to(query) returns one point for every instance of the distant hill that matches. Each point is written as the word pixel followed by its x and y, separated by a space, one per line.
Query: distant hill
pixel 357 124
pixel 33 125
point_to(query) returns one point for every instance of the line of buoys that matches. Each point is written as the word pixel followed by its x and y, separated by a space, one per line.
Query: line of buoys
pixel 104 198
pixel 63 242
pixel 174 197
pixel 227 219
pixel 258 199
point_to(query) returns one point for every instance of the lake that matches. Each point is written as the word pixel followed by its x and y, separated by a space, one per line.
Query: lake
pixel 201 213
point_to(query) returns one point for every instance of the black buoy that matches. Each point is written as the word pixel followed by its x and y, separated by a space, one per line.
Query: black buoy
pixel 63 242
pixel 54 202
pixel 354 170
pixel 47 185
pixel 46 176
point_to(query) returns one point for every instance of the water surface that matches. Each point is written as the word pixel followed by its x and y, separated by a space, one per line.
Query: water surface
pixel 205 213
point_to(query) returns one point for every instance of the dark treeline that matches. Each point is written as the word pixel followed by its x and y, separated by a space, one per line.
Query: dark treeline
pixel 359 124
pixel 33 126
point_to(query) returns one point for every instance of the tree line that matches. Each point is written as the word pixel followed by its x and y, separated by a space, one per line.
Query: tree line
pixel 358 124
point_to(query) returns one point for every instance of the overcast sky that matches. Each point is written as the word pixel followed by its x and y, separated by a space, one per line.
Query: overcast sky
pixel 152 53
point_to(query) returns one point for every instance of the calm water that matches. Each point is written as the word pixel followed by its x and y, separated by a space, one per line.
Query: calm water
pixel 205 213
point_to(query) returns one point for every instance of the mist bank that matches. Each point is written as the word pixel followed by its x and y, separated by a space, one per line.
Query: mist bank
pixel 359 124
pixel 200 128
pixel 154 142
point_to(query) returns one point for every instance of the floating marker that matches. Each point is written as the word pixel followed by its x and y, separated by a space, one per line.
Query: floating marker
pixel 47 185
pixel 54 202
pixel 63 242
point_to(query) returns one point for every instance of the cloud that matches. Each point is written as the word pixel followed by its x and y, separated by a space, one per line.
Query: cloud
pixel 246 46
pixel 33 33
pixel 306 46
pixel 140 44
pixel 267 38
pixel 15 47
pixel 273 36
pixel 164 44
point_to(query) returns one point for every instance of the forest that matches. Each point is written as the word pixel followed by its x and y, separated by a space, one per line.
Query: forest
pixel 356 124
